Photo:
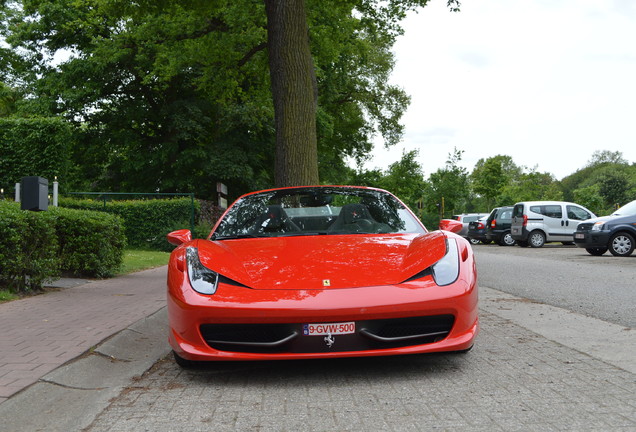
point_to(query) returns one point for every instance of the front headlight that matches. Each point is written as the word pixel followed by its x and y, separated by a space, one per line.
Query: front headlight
pixel 446 270
pixel 598 226
pixel 202 279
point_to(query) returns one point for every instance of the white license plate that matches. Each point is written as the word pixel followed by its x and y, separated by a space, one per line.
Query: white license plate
pixel 579 236
pixel 329 329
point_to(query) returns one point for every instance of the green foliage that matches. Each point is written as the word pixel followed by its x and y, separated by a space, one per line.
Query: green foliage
pixel 90 243
pixel 37 247
pixel 614 187
pixel 185 85
pixel 146 222
pixel 449 188
pixel 606 156
pixel 612 176
pixel 405 179
pixel 6 295
pixel 28 249
pixel 33 147
pixel 531 186
pixel 490 177
pixel 590 198
pixel 8 99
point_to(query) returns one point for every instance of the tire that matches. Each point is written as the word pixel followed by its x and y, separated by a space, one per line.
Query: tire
pixel 473 241
pixel 536 239
pixel 507 240
pixel 596 251
pixel 621 244
pixel 522 243
pixel 184 363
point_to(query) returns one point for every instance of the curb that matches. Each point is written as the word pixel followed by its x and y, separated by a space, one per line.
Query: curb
pixel 70 397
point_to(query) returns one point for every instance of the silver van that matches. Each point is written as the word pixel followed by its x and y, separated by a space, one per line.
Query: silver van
pixel 536 222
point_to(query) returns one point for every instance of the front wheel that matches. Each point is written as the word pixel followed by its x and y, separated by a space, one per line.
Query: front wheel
pixel 596 251
pixel 621 244
pixel 536 239
pixel 473 241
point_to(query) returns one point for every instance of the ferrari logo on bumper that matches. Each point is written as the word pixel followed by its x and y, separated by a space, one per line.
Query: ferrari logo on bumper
pixel 330 340
pixel 326 282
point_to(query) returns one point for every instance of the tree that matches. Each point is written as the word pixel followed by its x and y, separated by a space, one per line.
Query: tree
pixel 531 186
pixel 488 179
pixel 294 92
pixel 590 197
pixel 613 187
pixel 449 186
pixel 606 156
pixel 9 100
pixel 175 95
pixel 405 179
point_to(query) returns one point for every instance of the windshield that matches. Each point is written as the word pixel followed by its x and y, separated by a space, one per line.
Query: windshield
pixel 626 210
pixel 314 211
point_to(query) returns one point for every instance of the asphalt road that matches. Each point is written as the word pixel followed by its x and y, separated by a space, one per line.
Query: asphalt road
pixel 563 276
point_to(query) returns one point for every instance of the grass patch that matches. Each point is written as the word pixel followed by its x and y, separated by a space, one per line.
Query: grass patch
pixel 137 260
pixel 6 295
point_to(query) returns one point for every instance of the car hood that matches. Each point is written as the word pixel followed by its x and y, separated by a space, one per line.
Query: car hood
pixel 323 261
pixel 613 218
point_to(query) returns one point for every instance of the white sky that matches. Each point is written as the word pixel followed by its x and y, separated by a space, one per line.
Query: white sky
pixel 547 82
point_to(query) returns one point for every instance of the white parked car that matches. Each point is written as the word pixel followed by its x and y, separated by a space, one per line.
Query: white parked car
pixel 536 222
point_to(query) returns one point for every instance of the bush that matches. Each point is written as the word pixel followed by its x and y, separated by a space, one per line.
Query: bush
pixel 28 249
pixel 36 247
pixel 90 243
pixel 146 222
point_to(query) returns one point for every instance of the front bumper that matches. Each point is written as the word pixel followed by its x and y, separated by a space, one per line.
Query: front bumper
pixel 192 315
pixel 591 239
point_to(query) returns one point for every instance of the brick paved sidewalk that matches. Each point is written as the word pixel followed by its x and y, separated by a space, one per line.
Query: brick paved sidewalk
pixel 39 334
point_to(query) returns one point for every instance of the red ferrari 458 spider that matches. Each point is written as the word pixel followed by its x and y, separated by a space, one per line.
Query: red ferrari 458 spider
pixel 317 272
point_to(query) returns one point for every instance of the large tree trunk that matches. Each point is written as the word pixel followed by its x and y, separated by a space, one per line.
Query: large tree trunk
pixel 294 93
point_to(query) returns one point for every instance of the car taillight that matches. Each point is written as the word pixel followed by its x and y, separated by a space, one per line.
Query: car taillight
pixel 525 220
pixel 493 223
pixel 480 225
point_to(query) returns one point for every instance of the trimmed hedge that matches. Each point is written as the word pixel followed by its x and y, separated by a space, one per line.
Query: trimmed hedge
pixel 28 249
pixel 146 222
pixel 90 243
pixel 36 247
pixel 33 147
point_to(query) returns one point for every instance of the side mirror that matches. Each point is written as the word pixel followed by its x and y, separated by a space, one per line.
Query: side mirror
pixel 179 237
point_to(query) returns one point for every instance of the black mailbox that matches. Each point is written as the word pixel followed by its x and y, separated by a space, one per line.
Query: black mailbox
pixel 34 193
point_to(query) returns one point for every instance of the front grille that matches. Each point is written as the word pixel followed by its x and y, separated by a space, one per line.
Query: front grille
pixel 289 338
pixel 584 227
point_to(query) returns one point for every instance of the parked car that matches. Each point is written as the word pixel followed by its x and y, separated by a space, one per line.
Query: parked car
pixel 498 229
pixel 536 222
pixel 616 232
pixel 319 272
pixel 451 225
pixel 477 231
pixel 465 219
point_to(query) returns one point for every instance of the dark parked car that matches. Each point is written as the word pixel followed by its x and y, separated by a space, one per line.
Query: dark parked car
pixel 616 232
pixel 499 223
pixel 477 231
